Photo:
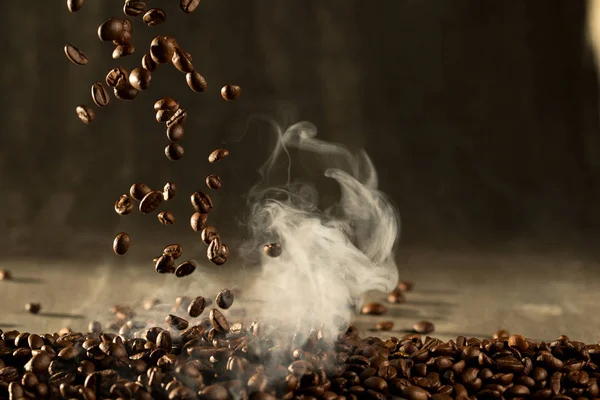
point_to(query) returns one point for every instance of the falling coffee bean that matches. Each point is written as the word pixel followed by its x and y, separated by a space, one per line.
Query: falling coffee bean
pixel 151 202
pixel 166 103
pixel 175 132
pixel 117 77
pixel 201 202
pixel 214 248
pixel 33 308
pixel 110 30
pixel 150 303
pixel 148 63
pixel 162 49
pixel 396 297
pixel 140 78
pixel 208 234
pixel 165 264
pixel 163 116
pixel 5 275
pixel 173 250
pixel 75 55
pixel 174 151
pixel 176 322
pixel 100 94
pixel 218 321
pixel 273 250
pixel 214 182
pixel 196 81
pixel 169 191
pixel 154 16
pixel 198 221
pixel 125 92
pixel 182 62
pixel 185 268
pixel 74 5
pixel 138 191
pixel 85 114
pixel 385 326
pixel 231 92
pixel 166 218
pixel 178 118
pixel 405 286
pixel 124 205
pixel 197 307
pixel 373 309
pixel 181 303
pixel 501 334
pixel 121 243
pixel 423 327
pixel 134 8
pixel 224 299
pixel 217 155
pixel 123 50
pixel 189 6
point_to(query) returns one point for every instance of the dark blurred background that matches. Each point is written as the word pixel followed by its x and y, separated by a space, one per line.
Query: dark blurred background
pixel 480 116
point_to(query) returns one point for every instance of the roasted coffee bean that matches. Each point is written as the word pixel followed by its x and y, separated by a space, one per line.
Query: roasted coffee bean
pixel 150 303
pixel 178 117
pixel 85 114
pixel 169 191
pixel 189 6
pixel 272 250
pixel 218 321
pixel 196 81
pixel 217 155
pixel 133 8
pixel 423 327
pixel 501 334
pixel 174 151
pixel 121 243
pixel 224 299
pixel 385 326
pixel 198 221
pixel 214 182
pixel 209 233
pixel 165 264
pixel 166 218
pixel 110 30
pixel 185 268
pixel 405 286
pixel 75 55
pixel 5 275
pixel 518 342
pixel 140 78
pixel 100 94
pixel 123 50
pixel 151 201
pixel 162 49
pixel 182 62
pixel 396 297
pixel 231 92
pixel 148 63
pixel 138 191
pixel 74 5
pixel 196 307
pixel 163 116
pixel 201 202
pixel 124 205
pixel 125 92
pixel 173 250
pixel 33 308
pixel 175 132
pixel 166 103
pixel 176 322
pixel 373 309
pixel 117 76
pixel 155 16
pixel 214 248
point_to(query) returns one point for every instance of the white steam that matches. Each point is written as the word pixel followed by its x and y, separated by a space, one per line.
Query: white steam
pixel 330 257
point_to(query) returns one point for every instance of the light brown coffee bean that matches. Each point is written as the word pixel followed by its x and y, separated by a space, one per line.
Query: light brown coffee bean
pixel 272 250
pixel 214 249
pixel 385 325
pixel 217 155
pixel 125 92
pixel 423 327
pixel 201 202
pixel 181 61
pixel 148 63
pixel 124 205
pixel 214 182
pixel 150 303
pixel 175 132
pixel 173 250
pixel 166 103
pixel 74 5
pixel 373 309
pixel 151 202
pixel 197 307
pixel 405 286
pixel 231 92
pixel 208 234
pixel 396 297
pixel 185 268
pixel 100 94
pixel 123 50
pixel 198 221
pixel 33 308
pixel 5 275
pixel 110 30
pixel 117 77
pixel 189 6
pixel 178 118
pixel 169 191
pixel 75 55
pixel 218 321
pixel 174 151
pixel 196 81
pixel 133 8
pixel 138 191
pixel 155 16
pixel 224 299
pixel 518 342
pixel 162 50
pixel 501 334
pixel 140 78
pixel 121 243
pixel 85 114
pixel 165 264
pixel 166 218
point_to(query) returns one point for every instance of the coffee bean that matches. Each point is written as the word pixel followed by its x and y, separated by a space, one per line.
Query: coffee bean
pixel 373 309
pixel 150 303
pixel 151 201
pixel 218 321
pixel 198 221
pixel 208 234
pixel 140 78
pixel 173 250
pixel 125 92
pixel 138 191
pixel 166 103
pixel 405 286
pixel 155 16
pixel 189 6
pixel 178 117
pixel 162 49
pixel 273 250
pixel 166 218
pixel 185 268
pixel 385 326
pixel 214 182
pixel 217 155
pixel 85 114
pixel 74 5
pixel 175 132
pixel 196 307
pixel 518 342
pixel 5 275
pixel 110 30
pixel 117 77
pixel 423 327
pixel 231 92
pixel 126 36
pixel 148 63
pixel 181 61
pixel 396 297
pixel 169 191
pixel 201 202
pixel 133 8
pixel 224 299
pixel 124 205
pixel 123 50
pixel 196 81
pixel 501 334
pixel 33 308
pixel 165 264
pixel 163 116
pixel 121 243
pixel 75 55
pixel 176 322
pixel 174 151
pixel 100 95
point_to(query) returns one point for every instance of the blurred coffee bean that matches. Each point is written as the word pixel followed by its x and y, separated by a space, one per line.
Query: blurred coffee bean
pixel 423 327
pixel 174 151
pixel 138 191
pixel 185 268
pixel 140 78
pixel 5 275
pixel 124 205
pixel 75 55
pixel 148 63
pixel 166 103
pixel 162 50
pixel 123 50
pixel 133 8
pixel 169 191
pixel 125 92
pixel 100 94
pixel 396 297
pixel 224 299
pixel 201 202
pixel 176 322
pixel 217 155
pixel 218 321
pixel 173 250
pixel 214 182
pixel 126 36
pixel 231 92
pixel 385 326
pixel 273 250
pixel 117 76
pixel 501 334
pixel 110 30
pixel 175 132
pixel 121 243
pixel 208 234
pixel 196 307
pixel 178 117
pixel 373 309
pixel 196 81
pixel 165 264
pixel 151 201
pixel 198 221
pixel 85 114
pixel 405 286
pixel 33 308
pixel 74 5
pixel 166 218
pixel 189 6
pixel 150 303
pixel 181 61
pixel 155 16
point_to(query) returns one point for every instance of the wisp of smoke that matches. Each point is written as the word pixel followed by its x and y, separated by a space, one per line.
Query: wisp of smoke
pixel 330 257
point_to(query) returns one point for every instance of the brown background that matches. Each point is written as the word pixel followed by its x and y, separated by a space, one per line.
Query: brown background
pixel 481 116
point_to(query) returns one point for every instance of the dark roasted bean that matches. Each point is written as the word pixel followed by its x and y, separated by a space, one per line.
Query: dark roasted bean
pixel 373 309
pixel 151 201
pixel 214 182
pixel 123 50
pixel 166 218
pixel 110 30
pixel 186 268
pixel 196 307
pixel 224 299
pixel 231 92
pixel 174 151
pixel 133 8
pixel 100 95
pixel 201 202
pixel 196 81
pixel 182 62
pixel 189 6
pixel 423 327
pixel 124 205
pixel 155 16
pixel 217 155
pixel 162 49
pixel 75 55
pixel 74 5
pixel 140 78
